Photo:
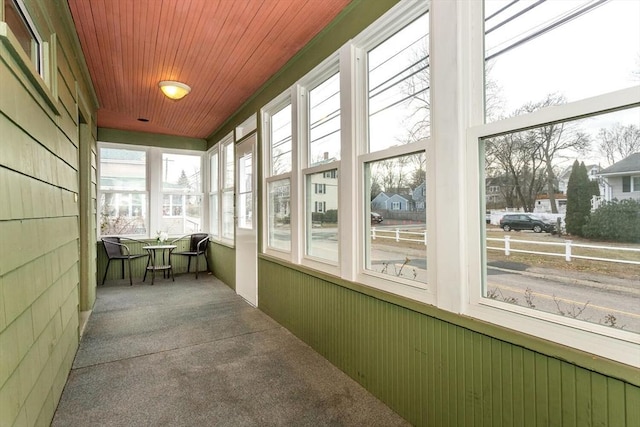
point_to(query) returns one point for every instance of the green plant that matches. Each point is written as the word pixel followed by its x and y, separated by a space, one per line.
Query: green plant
pixel 579 192
pixel 617 221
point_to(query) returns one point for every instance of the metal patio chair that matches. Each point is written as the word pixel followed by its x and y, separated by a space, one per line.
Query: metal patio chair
pixel 117 250
pixel 198 244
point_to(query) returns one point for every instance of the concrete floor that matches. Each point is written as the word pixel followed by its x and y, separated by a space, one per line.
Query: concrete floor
pixel 193 353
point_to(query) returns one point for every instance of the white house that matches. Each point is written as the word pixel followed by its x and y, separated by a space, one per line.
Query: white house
pixel 622 179
pixel 563 178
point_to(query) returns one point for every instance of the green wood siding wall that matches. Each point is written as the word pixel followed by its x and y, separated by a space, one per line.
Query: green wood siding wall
pixel 437 373
pixel 39 271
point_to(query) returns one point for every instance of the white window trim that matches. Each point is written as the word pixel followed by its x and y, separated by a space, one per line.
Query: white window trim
pixel 266 113
pixel 153 180
pixel 300 104
pixel 328 266
pixel 593 338
pixel 247 127
pixel 393 21
pixel 456 250
pixel 100 192
pixel 215 192
pixel 225 189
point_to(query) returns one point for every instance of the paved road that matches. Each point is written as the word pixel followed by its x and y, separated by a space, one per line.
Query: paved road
pixel 609 302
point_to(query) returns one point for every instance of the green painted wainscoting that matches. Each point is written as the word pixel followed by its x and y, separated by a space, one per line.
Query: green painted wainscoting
pixel 224 263
pixel 138 265
pixel 436 372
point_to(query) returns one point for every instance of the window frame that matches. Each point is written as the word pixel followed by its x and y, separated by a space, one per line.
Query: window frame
pixel 266 113
pixel 23 11
pixel 227 188
pixel 101 192
pixel 213 193
pixel 456 248
pixel 40 76
pixel 633 180
pixel 611 343
pixel 319 75
pixel 594 338
pixel 153 186
pixel 159 217
pixel 387 26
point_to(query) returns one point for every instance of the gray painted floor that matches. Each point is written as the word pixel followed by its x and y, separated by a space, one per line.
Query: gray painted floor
pixel 193 353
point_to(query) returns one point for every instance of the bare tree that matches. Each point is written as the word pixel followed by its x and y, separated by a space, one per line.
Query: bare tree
pixel 619 142
pixel 552 141
pixel 416 87
pixel 514 156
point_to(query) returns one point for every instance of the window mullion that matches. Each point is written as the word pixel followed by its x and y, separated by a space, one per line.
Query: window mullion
pixel 154 179
pixel 447 233
pixel 350 198
pixel 297 179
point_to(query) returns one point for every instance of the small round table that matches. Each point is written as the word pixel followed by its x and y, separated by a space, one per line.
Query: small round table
pixel 153 266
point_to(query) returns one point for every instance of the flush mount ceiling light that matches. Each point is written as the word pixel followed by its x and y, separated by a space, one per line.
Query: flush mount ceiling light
pixel 174 90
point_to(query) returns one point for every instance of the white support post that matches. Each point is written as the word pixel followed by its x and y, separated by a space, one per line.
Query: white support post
pixel 507 245
pixel 567 251
pixel 397 234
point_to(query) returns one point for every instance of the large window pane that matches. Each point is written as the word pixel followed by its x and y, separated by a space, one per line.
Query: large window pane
pixel 228 225
pixel 122 169
pixel 123 213
pixel 227 208
pixel 577 250
pixel 324 122
pixel 122 185
pixel 398 82
pixel 181 214
pixel 228 161
pixel 214 215
pixel 181 208
pixel 396 230
pixel 279 234
pixel 213 164
pixel 245 191
pixel 181 173
pixel 558 51
pixel 322 215
pixel 281 141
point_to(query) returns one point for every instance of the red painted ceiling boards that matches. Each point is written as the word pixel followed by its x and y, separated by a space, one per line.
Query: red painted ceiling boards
pixel 224 49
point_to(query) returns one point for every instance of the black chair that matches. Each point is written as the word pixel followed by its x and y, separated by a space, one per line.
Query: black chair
pixel 198 244
pixel 117 250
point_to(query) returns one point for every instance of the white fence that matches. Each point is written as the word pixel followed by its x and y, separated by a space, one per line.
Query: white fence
pixel 397 233
pixel 567 246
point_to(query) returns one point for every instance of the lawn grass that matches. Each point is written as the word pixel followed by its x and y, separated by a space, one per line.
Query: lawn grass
pixel 618 270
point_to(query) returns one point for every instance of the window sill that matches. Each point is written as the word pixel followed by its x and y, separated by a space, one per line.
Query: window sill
pixel 580 343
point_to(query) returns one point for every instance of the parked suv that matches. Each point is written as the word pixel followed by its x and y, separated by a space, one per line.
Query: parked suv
pixel 376 218
pixel 525 222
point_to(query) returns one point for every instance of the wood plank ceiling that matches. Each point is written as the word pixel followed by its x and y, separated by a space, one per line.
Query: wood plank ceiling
pixel 224 49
